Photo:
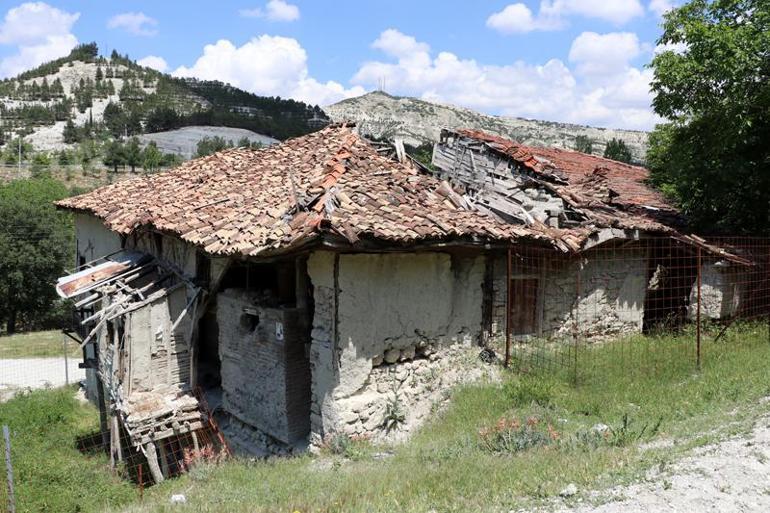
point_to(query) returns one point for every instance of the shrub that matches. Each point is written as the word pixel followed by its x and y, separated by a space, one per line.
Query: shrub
pixel 394 415
pixel 511 435
pixel 528 390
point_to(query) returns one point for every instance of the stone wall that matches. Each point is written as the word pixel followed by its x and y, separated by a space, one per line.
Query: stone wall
pixel 608 301
pixel 721 291
pixel 265 375
pixel 379 318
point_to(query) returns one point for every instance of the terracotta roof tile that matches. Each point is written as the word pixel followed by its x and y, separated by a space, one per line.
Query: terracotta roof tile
pixel 255 201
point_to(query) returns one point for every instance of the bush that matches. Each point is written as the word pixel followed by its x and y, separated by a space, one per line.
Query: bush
pixel 512 435
pixel 527 390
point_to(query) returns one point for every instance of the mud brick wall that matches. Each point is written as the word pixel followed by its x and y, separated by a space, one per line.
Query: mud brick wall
pixel 265 375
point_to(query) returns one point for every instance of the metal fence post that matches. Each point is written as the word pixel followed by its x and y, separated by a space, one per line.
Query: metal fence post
pixel 508 310
pixel 697 319
pixel 9 470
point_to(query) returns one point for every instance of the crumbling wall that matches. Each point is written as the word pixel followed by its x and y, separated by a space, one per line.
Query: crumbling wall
pixel 379 318
pixel 721 291
pixel 168 248
pixel 159 356
pixel 606 299
pixel 265 375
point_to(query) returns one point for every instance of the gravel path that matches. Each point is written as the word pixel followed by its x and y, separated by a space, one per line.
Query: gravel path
pixel 732 476
pixel 21 373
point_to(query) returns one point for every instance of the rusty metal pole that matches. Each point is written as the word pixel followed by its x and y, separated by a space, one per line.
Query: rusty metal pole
pixel 576 332
pixel 508 310
pixel 697 318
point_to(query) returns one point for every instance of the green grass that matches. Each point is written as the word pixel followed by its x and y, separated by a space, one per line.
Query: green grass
pixel 37 345
pixel 50 473
pixel 444 467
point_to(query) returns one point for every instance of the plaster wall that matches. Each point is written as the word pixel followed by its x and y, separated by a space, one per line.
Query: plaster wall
pixel 93 238
pixel 386 312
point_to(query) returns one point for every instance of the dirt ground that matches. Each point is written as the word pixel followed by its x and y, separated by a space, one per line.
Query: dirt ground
pixel 731 476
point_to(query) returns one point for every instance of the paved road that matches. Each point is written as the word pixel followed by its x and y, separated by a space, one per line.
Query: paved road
pixel 21 373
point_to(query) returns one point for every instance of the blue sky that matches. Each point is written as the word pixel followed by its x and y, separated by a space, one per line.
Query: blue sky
pixel 563 60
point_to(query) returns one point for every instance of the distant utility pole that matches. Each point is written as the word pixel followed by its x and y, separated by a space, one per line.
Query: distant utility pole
pixel 19 153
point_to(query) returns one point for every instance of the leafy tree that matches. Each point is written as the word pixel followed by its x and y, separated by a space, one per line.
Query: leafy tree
pixel 616 149
pixel 35 245
pixel 584 144
pixel 713 86
pixel 209 145
pixel 152 158
pixel 70 133
pixel 133 153
pixel 114 155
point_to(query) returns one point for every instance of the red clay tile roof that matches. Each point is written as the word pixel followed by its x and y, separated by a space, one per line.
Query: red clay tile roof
pixel 258 201
pixel 585 175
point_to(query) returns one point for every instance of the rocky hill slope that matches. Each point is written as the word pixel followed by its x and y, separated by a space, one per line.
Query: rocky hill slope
pixel 113 96
pixel 417 121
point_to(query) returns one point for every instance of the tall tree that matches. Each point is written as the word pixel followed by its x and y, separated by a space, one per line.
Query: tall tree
pixel 35 244
pixel 152 158
pixel 616 149
pixel 114 155
pixel 584 144
pixel 712 84
pixel 133 154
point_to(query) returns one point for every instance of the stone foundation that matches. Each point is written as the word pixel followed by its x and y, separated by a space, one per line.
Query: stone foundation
pixel 413 386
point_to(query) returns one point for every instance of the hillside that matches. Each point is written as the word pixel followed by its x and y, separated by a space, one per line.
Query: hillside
pixel 183 141
pixel 102 97
pixel 417 121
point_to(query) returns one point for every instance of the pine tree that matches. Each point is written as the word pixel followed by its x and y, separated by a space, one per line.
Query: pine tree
pixel 617 150
pixel 133 154
pixel 583 144
pixel 70 132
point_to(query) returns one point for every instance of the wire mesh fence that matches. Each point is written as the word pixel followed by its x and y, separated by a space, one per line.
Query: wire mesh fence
pixel 639 306
pixel 115 461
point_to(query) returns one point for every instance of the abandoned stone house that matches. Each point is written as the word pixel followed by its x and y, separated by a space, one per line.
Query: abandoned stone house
pixel 313 283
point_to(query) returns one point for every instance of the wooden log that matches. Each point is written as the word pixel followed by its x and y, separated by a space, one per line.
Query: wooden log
pixel 163 457
pixel 152 462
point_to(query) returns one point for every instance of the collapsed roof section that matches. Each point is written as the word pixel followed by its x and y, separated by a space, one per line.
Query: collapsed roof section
pixel 331 183
pixel 578 200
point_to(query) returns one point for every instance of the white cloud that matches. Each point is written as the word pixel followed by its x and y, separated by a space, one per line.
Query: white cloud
pixel 518 18
pixel 552 90
pixel 604 54
pixel 136 23
pixel 266 65
pixel 660 7
pixel 553 14
pixel 275 10
pixel 40 33
pixel 154 62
